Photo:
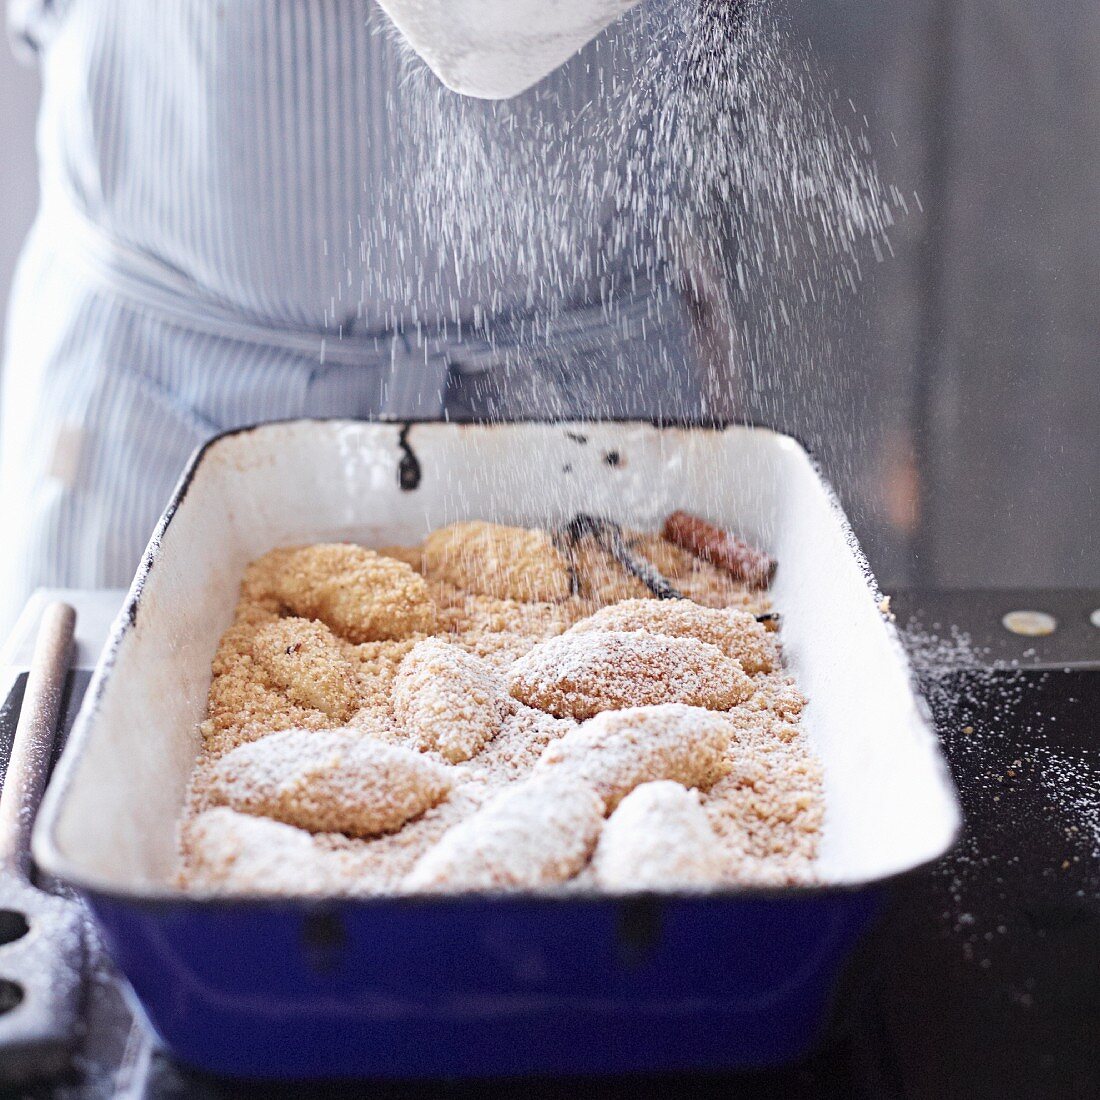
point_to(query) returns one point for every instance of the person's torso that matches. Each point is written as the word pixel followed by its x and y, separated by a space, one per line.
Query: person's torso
pixel 291 161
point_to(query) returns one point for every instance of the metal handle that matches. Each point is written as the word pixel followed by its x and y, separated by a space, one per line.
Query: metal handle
pixel 32 749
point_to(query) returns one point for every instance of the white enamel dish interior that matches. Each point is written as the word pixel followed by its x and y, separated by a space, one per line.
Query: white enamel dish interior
pixel 109 822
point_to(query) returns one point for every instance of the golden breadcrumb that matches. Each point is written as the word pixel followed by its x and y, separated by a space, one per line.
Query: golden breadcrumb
pixel 762 794
pixel 359 594
pixel 304 658
pixel 330 781
pixel 768 806
pixel 516 748
pixel 533 834
pixel 617 750
pixel 735 632
pixel 479 614
pixel 668 559
pixel 412 556
pixel 229 852
pixel 514 563
pixel 710 586
pixel 601 579
pixel 376 664
pixel 243 707
pixel 659 838
pixel 580 675
pixel 448 700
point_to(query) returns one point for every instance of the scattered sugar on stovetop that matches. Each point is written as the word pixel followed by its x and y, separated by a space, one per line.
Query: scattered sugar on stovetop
pixel 1072 784
pixel 1009 767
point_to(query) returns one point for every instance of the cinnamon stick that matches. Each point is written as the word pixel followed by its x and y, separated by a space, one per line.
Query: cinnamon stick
pixel 721 548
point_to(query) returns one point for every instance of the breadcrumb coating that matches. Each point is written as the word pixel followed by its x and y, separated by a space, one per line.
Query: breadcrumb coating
pixel 766 813
pixel 230 852
pixel 359 594
pixel 670 560
pixel 448 701
pixel 618 750
pixel 331 781
pixel 709 586
pixel 412 556
pixel 243 707
pixel 601 579
pixel 515 750
pixel 376 665
pixel 535 833
pixel 735 632
pixel 516 563
pixel 304 658
pixel 580 675
pixel 768 806
pixel 659 838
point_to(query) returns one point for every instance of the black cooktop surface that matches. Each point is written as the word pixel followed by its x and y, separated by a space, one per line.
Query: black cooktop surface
pixel 982 979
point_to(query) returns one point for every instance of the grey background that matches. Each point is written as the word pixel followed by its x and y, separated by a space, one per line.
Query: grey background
pixel 985 329
pixel 980 417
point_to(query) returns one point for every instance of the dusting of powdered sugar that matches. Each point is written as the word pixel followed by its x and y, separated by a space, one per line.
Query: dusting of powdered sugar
pixel 1072 783
pixel 1031 805
pixel 580 675
pixel 446 695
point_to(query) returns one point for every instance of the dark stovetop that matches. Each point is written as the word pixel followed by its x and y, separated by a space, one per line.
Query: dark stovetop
pixel 982 979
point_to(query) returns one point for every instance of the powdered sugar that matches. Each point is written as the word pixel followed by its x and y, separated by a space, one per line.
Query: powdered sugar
pixel 658 838
pixel 328 781
pixel 535 833
pixel 229 851
pixel 448 700
pixel 580 675
pixel 617 750
pixel 735 632
pixel 1072 783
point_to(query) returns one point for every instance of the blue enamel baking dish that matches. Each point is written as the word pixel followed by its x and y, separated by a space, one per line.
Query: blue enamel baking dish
pixel 487 985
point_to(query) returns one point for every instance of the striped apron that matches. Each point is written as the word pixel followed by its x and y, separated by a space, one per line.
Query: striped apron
pixel 224 238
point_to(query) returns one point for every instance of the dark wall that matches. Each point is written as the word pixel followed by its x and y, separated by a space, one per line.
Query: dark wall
pixel 982 351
